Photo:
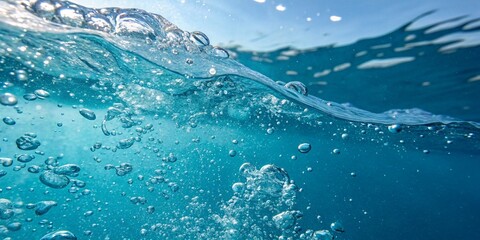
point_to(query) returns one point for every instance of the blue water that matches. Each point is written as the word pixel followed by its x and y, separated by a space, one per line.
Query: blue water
pixel 119 125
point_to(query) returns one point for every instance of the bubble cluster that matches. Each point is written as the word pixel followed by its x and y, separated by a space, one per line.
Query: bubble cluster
pixel 121 170
pixel 267 189
pixel 286 219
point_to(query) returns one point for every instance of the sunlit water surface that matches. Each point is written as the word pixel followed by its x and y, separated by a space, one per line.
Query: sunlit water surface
pixel 119 125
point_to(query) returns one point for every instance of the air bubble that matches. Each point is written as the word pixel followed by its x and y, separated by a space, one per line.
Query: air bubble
pixel 14 226
pixel 297 87
pixel 27 142
pixel 59 235
pixel 6 162
pixel 304 147
pixel 41 93
pixel 246 169
pixel 88 114
pixel 220 52
pixel 6 209
pixel 212 71
pixel 67 169
pixel 395 128
pixel 8 99
pixel 30 96
pixel 323 235
pixel 54 180
pixel 285 220
pixel 150 209
pixel 125 143
pixel 238 187
pixel 44 206
pixel 199 38
pixel 9 121
pixel 336 151
pixel 337 227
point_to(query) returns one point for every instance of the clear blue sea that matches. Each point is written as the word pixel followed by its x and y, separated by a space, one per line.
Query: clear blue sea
pixel 118 124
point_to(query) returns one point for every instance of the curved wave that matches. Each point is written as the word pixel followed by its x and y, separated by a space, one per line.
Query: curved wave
pixel 128 45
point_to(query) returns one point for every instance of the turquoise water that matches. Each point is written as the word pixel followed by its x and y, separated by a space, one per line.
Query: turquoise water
pixel 119 125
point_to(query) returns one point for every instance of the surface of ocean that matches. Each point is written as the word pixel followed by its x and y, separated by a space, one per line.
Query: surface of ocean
pixel 117 124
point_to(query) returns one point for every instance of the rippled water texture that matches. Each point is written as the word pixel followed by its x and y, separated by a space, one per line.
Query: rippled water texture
pixel 119 125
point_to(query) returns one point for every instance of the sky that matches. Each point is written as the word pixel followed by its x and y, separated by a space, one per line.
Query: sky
pixel 268 24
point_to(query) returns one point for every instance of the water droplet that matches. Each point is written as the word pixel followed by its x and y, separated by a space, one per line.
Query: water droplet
pixel 9 121
pixel 344 136
pixel 54 180
pixel 8 99
pixel 232 153
pixel 59 235
pixel 297 87
pixel 199 38
pixel 304 147
pixel 88 114
pixel 395 128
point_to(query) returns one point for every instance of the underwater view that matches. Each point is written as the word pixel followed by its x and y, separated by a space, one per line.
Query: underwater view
pixel 276 120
